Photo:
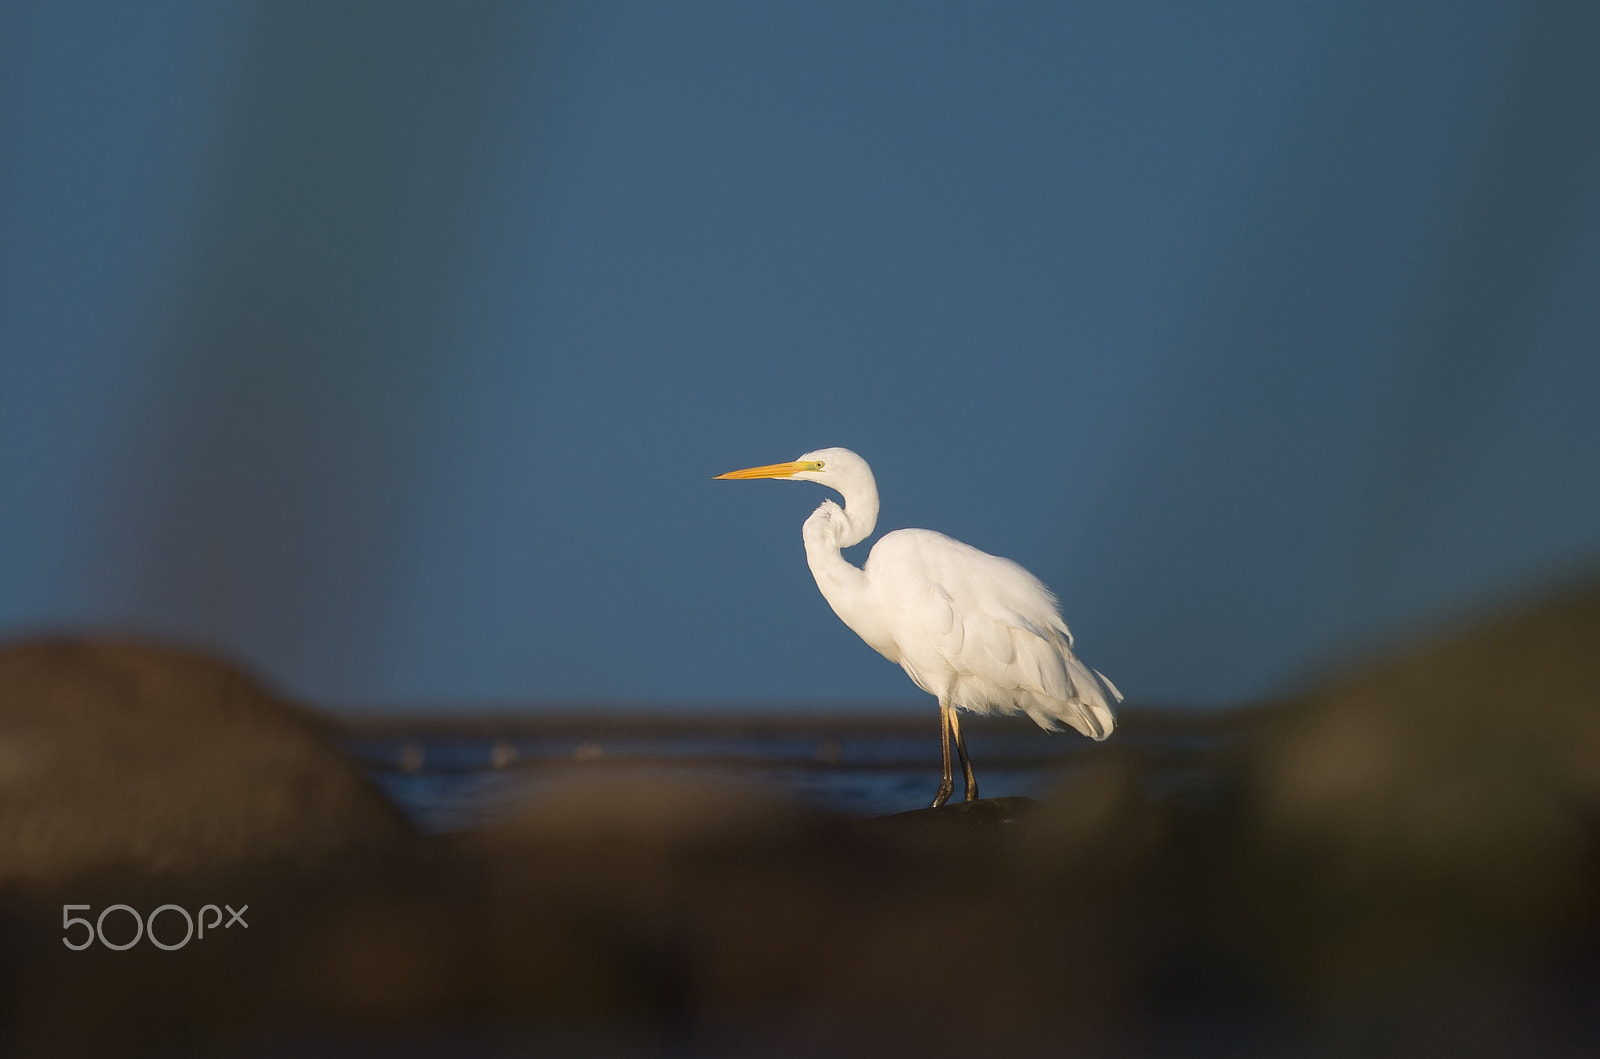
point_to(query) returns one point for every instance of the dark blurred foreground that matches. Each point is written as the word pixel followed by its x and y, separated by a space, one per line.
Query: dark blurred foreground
pixel 1407 863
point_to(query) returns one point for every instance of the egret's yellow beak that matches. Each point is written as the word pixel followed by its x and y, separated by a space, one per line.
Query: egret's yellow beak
pixel 774 470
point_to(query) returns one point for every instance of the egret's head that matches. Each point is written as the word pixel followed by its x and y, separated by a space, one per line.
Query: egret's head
pixel 840 470
pixel 837 469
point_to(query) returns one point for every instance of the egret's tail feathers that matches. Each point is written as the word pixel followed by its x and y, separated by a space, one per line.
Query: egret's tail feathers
pixel 1093 711
pixel 1095 721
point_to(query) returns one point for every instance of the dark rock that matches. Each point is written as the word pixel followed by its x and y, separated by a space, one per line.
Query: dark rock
pixel 1437 808
pixel 981 814
pixel 151 761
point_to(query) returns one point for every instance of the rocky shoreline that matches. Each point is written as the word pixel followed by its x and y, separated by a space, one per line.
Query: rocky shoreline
pixel 1406 862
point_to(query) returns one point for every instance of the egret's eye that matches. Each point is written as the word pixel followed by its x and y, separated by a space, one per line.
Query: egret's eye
pixel 817 466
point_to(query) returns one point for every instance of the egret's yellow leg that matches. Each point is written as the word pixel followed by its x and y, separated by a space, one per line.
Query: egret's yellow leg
pixel 961 749
pixel 947 784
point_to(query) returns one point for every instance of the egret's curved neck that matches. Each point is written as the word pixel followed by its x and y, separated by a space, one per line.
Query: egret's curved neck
pixel 844 585
pixel 860 494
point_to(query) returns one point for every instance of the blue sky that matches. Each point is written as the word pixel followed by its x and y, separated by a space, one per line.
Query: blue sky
pixel 392 348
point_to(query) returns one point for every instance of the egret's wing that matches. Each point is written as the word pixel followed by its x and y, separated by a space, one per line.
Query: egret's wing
pixel 993 624
pixel 966 602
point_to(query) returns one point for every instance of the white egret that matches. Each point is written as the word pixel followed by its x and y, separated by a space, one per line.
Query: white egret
pixel 977 631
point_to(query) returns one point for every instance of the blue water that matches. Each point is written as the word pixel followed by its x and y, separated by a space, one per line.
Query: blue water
pixel 460 782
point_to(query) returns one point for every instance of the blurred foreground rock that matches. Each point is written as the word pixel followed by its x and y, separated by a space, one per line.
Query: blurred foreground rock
pixel 153 761
pixel 1407 863
pixel 1437 812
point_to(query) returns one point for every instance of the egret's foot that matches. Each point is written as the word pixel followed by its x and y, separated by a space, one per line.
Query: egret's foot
pixel 942 795
pixel 972 792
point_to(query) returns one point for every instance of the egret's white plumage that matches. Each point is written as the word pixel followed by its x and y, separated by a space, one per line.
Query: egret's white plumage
pixel 977 631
